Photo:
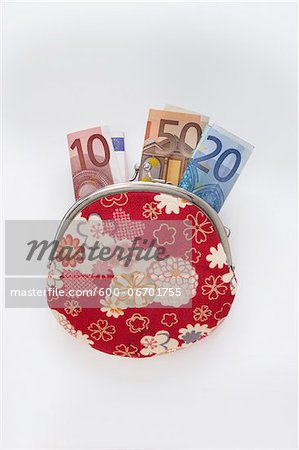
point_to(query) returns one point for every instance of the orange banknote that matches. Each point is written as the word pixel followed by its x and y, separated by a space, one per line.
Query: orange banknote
pixel 170 139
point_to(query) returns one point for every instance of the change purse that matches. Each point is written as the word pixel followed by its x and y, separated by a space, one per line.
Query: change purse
pixel 141 269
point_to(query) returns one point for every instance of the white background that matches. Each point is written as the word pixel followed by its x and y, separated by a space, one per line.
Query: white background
pixel 71 66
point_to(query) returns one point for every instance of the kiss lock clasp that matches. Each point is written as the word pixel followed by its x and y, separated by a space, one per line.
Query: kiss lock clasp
pixel 147 167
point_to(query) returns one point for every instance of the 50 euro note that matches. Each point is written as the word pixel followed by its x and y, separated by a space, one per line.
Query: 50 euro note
pixel 216 165
pixel 93 160
pixel 170 139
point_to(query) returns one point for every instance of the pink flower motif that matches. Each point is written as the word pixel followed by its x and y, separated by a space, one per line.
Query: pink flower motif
pixel 70 252
pixel 96 230
pixel 102 269
pixel 165 234
pixel 122 227
pixel 150 342
pixel 158 344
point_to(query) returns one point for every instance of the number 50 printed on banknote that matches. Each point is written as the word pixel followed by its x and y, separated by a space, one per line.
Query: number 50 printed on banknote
pixel 170 138
pixel 215 165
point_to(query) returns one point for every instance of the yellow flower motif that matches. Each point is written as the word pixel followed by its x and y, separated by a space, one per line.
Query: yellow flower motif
pixel 128 351
pixel 201 314
pixel 213 287
pixel 150 211
pixel 102 330
pixel 134 288
pixel 199 227
pixel 72 307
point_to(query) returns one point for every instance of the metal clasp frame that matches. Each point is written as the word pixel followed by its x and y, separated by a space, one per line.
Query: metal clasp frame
pixel 147 167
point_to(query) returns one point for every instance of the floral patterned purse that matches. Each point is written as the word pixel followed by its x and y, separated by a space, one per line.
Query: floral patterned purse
pixel 141 269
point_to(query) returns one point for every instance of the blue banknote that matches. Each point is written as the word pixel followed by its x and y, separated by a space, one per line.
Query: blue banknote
pixel 215 165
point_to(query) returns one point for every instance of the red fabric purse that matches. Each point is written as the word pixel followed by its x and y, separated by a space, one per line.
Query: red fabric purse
pixel 157 302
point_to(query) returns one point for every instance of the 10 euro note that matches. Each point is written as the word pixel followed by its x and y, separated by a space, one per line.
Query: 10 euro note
pixel 93 160
pixel 216 165
pixel 170 138
pixel 118 142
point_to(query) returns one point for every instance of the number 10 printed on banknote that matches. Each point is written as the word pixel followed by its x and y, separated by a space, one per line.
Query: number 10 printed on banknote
pixel 93 160
pixel 215 165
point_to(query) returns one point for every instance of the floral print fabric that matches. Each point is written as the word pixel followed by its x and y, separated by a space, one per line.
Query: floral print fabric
pixel 141 324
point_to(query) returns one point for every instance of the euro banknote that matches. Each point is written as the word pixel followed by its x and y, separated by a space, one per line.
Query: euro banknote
pixel 215 165
pixel 170 139
pixel 118 142
pixel 93 160
pixel 169 107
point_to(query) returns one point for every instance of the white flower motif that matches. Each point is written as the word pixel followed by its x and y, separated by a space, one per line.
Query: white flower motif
pixel 174 273
pixel 54 275
pixel 193 333
pixel 158 344
pixel 136 289
pixel 230 278
pixel 119 265
pixel 112 307
pixel 121 259
pixel 93 232
pixel 170 203
pixel 165 234
pixel 84 338
pixel 217 257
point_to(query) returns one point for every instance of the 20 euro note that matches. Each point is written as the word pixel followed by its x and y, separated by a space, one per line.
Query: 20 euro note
pixel 93 160
pixel 216 165
pixel 170 138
